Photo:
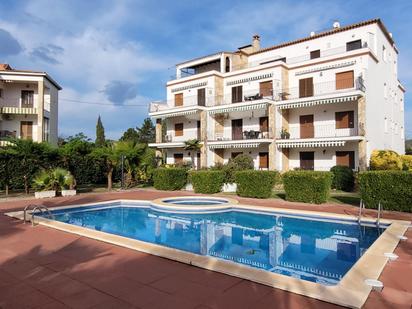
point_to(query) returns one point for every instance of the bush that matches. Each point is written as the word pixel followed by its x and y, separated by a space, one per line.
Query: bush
pixel 392 188
pixel 207 181
pixel 251 183
pixel 307 186
pixel 407 162
pixel 239 163
pixel 343 178
pixel 385 160
pixel 173 178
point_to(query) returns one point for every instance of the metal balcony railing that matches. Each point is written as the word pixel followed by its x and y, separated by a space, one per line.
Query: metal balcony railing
pixel 315 131
pixel 245 135
pixel 279 58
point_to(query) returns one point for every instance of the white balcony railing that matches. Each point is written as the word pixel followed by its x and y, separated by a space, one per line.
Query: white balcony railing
pixel 317 131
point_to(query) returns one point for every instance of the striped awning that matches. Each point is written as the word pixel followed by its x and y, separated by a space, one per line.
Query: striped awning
pixel 307 103
pixel 238 108
pixel 236 145
pixel 303 144
pixel 174 114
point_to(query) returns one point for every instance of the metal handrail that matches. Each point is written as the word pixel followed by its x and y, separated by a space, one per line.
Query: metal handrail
pixel 41 208
pixel 379 214
pixel 361 207
pixel 25 211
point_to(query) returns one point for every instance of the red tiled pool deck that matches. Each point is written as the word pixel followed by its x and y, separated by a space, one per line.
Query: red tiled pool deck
pixel 42 267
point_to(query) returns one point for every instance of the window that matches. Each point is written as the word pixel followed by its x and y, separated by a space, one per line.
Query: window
pixel 266 88
pixel 237 94
pixel 179 129
pixel 264 124
pixel 344 80
pixel 27 98
pixel 227 65
pixel 344 120
pixel 307 160
pixel 353 45
pixel 263 160
pixel 345 158
pixel 315 54
pixel 178 158
pixel 26 130
pixel 46 129
pixel 179 99
pixel 306 87
pixel 201 97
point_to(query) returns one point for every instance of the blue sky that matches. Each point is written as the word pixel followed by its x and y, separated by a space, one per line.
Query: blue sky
pixel 119 54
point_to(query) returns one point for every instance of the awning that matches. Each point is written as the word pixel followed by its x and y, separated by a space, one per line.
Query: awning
pixel 303 144
pixel 238 108
pixel 306 103
pixel 238 144
pixel 174 114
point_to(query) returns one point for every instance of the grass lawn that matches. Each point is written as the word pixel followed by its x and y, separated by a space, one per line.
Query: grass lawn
pixel 336 197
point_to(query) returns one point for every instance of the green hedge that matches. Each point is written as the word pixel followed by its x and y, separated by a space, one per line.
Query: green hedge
pixel 392 188
pixel 169 178
pixel 207 181
pixel 307 186
pixel 258 184
pixel 343 178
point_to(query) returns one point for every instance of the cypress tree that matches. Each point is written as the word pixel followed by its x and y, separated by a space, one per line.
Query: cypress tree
pixel 100 138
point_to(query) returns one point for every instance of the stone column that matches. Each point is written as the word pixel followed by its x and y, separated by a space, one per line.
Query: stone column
pixel 362 152
pixel 203 138
pixel 272 136
pixel 159 133
pixel 40 110
pixel 285 159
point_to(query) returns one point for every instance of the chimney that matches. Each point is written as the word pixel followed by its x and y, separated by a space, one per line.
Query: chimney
pixel 256 42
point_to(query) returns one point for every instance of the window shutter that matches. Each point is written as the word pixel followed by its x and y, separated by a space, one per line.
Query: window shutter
pixel 179 99
pixel 344 80
pixel 179 129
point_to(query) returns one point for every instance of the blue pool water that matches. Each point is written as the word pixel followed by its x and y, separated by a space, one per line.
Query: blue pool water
pixel 309 249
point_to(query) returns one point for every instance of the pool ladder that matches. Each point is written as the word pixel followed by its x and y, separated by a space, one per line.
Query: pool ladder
pixel 40 208
pixel 362 207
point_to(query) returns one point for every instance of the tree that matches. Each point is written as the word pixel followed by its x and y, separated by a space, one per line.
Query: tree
pixel 107 157
pixel 6 168
pixel 193 145
pixel 130 135
pixel 146 133
pixel 100 138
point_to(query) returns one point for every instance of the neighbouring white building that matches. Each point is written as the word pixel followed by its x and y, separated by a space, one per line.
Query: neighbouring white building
pixel 28 105
pixel 327 99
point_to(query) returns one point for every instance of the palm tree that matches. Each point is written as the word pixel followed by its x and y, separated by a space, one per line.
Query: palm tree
pixel 193 145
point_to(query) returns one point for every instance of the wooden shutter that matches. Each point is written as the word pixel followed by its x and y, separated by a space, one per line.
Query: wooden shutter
pixel 179 99
pixel 306 87
pixel 353 45
pixel 237 129
pixel 345 158
pixel 237 94
pixel 201 97
pixel 179 129
pixel 263 123
pixel 178 158
pixel 344 80
pixel 306 126
pixel 26 130
pixel 263 159
pixel 344 120
pixel 307 160
pixel 315 54
pixel 27 98
pixel 266 88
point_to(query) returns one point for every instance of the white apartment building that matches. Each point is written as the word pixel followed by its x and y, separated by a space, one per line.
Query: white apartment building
pixel 327 99
pixel 28 105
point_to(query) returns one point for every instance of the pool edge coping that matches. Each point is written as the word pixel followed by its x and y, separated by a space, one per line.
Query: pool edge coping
pixel 349 292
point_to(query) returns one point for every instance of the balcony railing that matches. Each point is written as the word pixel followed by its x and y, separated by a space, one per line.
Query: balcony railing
pixel 245 135
pixel 316 131
pixel 281 59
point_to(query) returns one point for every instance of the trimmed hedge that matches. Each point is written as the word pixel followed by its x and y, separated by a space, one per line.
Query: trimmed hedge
pixel 343 178
pixel 392 188
pixel 259 184
pixel 169 178
pixel 307 186
pixel 207 181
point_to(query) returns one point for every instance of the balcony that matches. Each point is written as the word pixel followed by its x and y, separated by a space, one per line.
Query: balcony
pixel 18 110
pixel 245 139
pixel 315 131
pixel 4 134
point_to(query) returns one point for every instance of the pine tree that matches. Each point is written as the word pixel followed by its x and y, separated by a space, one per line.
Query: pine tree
pixel 100 138
pixel 146 133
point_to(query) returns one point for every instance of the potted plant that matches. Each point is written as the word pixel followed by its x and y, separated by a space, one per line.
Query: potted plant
pixel 68 185
pixel 43 185
pixel 284 134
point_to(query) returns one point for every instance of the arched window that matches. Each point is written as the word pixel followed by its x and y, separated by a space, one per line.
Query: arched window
pixel 227 65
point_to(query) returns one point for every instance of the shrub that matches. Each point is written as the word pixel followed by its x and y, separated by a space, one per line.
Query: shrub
pixel 343 178
pixel 251 183
pixel 385 160
pixel 392 188
pixel 307 186
pixel 173 178
pixel 205 181
pixel 239 163
pixel 56 179
pixel 407 162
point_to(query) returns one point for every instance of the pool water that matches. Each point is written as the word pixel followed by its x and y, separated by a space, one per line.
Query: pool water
pixel 309 249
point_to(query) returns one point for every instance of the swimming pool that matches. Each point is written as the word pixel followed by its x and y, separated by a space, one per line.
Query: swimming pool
pixel 310 249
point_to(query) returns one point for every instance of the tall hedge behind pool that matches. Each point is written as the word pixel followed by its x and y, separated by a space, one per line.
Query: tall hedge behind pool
pixel 207 181
pixel 307 186
pixel 257 184
pixel 169 178
pixel 392 188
